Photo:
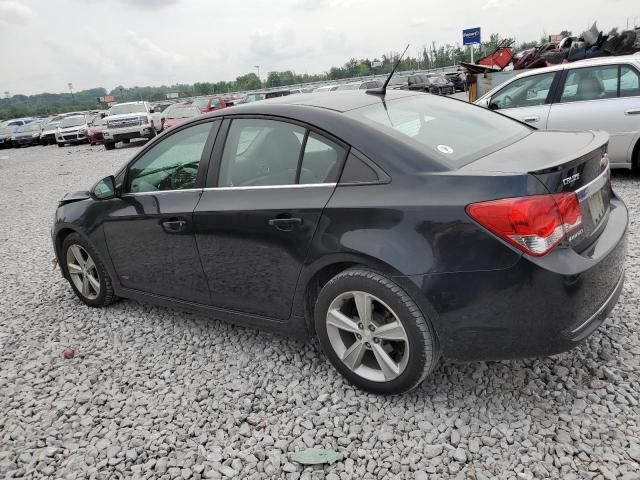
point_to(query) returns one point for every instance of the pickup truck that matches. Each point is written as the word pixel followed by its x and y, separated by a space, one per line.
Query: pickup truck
pixel 126 121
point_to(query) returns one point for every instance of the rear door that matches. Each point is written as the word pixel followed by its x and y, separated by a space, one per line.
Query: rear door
pixel 264 198
pixel 604 97
pixel 527 99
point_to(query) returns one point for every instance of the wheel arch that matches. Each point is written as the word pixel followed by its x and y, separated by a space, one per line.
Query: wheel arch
pixel 316 275
pixel 635 157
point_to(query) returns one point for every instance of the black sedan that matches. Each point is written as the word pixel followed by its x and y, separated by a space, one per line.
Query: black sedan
pixel 399 230
pixel 27 135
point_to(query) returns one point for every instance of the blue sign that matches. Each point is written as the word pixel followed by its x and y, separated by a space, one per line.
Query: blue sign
pixel 471 36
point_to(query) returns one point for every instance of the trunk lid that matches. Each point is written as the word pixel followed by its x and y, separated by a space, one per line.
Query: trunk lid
pixel 562 162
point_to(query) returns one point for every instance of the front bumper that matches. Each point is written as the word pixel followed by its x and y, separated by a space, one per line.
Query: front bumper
pixel 129 133
pixel 71 138
pixel 535 308
pixel 25 141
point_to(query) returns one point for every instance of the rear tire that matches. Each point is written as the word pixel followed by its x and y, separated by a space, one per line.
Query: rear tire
pixel 392 350
pixel 86 273
pixel 126 140
pixel 109 145
pixel 61 145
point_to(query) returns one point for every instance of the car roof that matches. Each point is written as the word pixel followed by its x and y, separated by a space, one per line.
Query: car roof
pixel 589 62
pixel 338 101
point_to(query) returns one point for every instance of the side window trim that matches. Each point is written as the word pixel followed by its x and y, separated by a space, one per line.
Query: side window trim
pixel 213 174
pixel 204 158
pixel 301 156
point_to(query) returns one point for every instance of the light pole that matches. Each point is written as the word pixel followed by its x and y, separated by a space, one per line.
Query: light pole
pixel 258 68
pixel 71 89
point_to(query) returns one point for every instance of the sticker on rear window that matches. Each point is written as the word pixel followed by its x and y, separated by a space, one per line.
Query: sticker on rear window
pixel 446 149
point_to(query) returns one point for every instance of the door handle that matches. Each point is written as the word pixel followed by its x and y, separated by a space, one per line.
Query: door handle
pixel 633 111
pixel 531 119
pixel 285 223
pixel 174 225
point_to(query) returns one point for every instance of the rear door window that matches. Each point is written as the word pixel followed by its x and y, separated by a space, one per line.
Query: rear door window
pixel 629 82
pixel 592 83
pixel 260 152
pixel 321 161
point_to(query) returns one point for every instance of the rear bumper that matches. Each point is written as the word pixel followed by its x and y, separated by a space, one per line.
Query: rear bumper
pixel 537 307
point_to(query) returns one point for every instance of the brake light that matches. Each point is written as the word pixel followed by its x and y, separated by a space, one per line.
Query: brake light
pixel 533 224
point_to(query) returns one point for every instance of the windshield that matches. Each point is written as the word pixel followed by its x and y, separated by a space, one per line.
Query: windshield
pixel 181 112
pixel 451 130
pixel 72 122
pixel 128 108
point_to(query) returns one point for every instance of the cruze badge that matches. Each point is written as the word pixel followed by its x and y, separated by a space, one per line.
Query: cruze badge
pixel 571 179
pixel 604 161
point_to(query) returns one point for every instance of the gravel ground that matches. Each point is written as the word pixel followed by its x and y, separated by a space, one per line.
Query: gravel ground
pixel 156 393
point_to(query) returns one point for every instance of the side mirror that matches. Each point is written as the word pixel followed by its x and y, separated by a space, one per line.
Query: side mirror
pixel 103 115
pixel 493 106
pixel 104 189
pixel 152 110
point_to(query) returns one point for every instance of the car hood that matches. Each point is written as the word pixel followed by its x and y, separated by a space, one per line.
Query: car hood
pixel 170 122
pixel 71 129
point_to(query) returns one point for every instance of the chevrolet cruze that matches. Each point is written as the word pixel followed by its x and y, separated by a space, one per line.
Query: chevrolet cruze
pixel 399 229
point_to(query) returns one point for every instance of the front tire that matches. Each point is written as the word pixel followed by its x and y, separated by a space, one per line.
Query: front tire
pixel 60 144
pixel 109 145
pixel 86 272
pixel 373 333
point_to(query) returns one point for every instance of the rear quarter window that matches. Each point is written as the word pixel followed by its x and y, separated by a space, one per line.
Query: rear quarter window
pixel 453 131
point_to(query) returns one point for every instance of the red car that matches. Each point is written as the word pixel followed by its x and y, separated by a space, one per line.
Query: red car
pixel 177 114
pixel 209 104
pixel 94 134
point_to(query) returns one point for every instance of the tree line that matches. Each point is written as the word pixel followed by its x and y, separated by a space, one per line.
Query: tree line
pixel 427 56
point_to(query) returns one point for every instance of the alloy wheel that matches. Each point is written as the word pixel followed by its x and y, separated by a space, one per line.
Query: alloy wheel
pixel 83 272
pixel 367 336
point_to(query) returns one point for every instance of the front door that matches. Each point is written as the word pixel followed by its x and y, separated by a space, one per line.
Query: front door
pixel 255 225
pixel 526 99
pixel 149 227
pixel 606 97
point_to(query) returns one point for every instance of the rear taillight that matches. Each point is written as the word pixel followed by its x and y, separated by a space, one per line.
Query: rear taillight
pixel 534 224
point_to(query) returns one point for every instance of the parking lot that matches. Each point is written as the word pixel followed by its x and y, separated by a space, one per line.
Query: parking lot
pixel 157 393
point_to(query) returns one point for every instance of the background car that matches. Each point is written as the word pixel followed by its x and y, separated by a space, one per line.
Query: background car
pixel 27 135
pixel 72 130
pixel 383 226
pixel 597 94
pixel 439 85
pixel 176 114
pixel 360 85
pixel 209 104
pixel 326 88
pixel 459 80
pixel 94 133
pixel 49 128
pixel 5 136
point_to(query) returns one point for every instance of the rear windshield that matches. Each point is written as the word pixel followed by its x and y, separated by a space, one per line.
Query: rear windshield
pixel 451 130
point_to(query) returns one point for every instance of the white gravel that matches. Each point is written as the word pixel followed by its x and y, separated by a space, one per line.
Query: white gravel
pixel 157 393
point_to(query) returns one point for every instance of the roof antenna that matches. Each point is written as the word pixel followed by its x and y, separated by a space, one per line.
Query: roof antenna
pixel 382 91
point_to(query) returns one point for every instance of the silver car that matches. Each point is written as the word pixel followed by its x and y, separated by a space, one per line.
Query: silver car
pixel 595 94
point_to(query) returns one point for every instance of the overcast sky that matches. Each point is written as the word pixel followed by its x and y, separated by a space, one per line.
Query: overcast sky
pixel 104 43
